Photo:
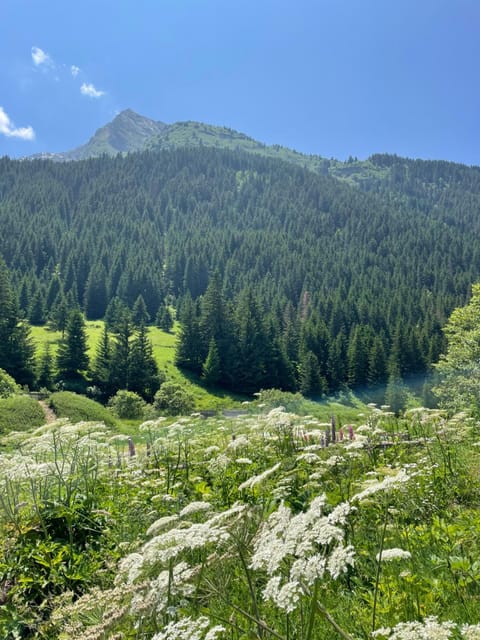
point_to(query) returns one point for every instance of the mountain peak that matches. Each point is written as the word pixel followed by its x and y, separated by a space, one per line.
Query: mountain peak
pixel 128 131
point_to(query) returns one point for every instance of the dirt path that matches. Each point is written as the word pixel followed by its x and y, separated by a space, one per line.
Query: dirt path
pixel 49 415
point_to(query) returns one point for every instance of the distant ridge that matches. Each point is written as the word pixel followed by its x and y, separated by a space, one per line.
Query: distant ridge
pixel 131 132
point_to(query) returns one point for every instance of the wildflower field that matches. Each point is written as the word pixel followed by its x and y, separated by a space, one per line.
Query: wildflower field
pixel 267 525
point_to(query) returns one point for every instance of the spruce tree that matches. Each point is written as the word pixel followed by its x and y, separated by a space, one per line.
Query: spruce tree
pixel 188 352
pixel 144 375
pixel 101 370
pixel 211 371
pixel 45 375
pixel 16 348
pixel 140 315
pixel 72 357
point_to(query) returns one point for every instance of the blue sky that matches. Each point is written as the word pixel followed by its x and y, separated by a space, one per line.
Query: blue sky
pixel 333 77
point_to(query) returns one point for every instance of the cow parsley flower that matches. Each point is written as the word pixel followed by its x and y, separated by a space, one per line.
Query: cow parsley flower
pixel 256 480
pixel 188 629
pixel 471 631
pixel 387 555
pixel 430 629
pixel 195 507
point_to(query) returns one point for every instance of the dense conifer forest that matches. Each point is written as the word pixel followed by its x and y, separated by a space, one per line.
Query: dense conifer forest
pixel 280 276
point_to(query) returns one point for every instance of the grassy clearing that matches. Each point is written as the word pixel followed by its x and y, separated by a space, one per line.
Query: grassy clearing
pixel 164 352
pixel 20 413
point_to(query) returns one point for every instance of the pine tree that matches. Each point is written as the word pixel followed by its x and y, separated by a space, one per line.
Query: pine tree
pixel 164 318
pixel 36 312
pixel 114 313
pixel 249 367
pixel 144 375
pixel 59 315
pixel 72 357
pixel 121 349
pixel 140 315
pixel 45 369
pixel 16 348
pixel 396 394
pixel 188 352
pixel 101 370
pixel 211 367
pixel 95 296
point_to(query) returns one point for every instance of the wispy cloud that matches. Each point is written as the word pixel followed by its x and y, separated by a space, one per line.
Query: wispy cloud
pixel 41 58
pixel 74 70
pixel 90 91
pixel 7 128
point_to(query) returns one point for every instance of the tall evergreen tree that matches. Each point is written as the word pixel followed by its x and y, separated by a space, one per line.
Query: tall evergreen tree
pixel 144 375
pixel 95 297
pixel 16 348
pixel 45 374
pixel 121 351
pixel 101 371
pixel 211 367
pixel 72 357
pixel 140 315
pixel 188 354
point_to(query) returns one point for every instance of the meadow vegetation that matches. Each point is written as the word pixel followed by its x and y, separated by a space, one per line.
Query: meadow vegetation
pixel 270 524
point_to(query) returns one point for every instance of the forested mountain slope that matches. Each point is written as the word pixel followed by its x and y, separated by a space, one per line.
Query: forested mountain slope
pixel 361 280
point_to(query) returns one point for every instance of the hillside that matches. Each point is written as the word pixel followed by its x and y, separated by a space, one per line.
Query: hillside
pixel 352 283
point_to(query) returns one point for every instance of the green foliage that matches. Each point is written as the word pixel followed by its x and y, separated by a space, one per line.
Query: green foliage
pixel 267 523
pixel 72 357
pixel 458 368
pixel 164 319
pixel 20 413
pixel 16 349
pixel 77 408
pixel 173 399
pixel 8 386
pixel 338 260
pixel 127 404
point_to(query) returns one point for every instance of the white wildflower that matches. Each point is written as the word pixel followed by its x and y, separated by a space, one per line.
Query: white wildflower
pixel 209 451
pixel 188 629
pixel 285 597
pixel 160 524
pixel 340 559
pixel 256 480
pixel 130 567
pixel 388 483
pixel 388 555
pixel 308 569
pixel 218 464
pixel 195 507
pixel 308 457
pixel 471 631
pixel 333 461
pixel 239 442
pixel 430 629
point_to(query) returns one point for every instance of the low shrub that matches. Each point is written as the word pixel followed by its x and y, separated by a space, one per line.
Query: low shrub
pixel 79 408
pixel 20 413
pixel 174 399
pixel 8 386
pixel 127 405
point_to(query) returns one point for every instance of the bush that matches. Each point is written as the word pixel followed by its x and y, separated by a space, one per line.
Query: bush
pixel 79 408
pixel 20 413
pixel 127 404
pixel 172 398
pixel 8 386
